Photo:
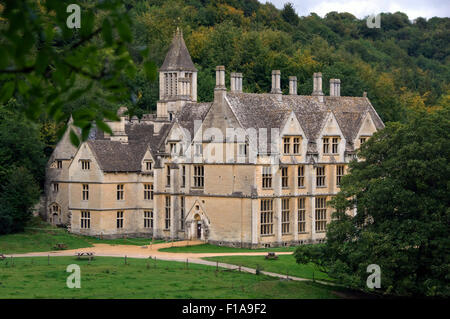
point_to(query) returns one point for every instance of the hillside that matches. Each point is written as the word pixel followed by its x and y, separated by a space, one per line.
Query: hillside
pixel 403 65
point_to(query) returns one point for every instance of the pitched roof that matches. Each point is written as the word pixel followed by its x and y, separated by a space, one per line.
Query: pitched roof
pixel 192 112
pixel 114 156
pixel 178 57
pixel 269 111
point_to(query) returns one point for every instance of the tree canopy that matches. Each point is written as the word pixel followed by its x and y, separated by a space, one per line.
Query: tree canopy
pixel 401 192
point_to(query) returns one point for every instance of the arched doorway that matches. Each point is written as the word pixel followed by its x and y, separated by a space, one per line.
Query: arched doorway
pixel 55 214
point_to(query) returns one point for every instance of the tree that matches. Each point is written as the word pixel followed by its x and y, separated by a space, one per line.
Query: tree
pixel 289 15
pixel 42 58
pixel 402 224
pixel 22 163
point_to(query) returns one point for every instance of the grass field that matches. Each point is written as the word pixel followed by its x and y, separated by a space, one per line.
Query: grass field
pixel 41 236
pixel 285 264
pixel 208 248
pixel 107 277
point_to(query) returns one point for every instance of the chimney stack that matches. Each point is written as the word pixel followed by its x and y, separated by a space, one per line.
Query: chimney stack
pixel 236 82
pixel 220 78
pixel 317 86
pixel 364 94
pixel 335 87
pixel 276 87
pixel 292 85
pixel 220 91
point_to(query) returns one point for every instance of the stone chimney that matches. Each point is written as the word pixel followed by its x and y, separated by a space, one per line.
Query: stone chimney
pixel 335 87
pixel 364 94
pixel 220 78
pixel 276 87
pixel 292 85
pixel 220 90
pixel 317 86
pixel 236 82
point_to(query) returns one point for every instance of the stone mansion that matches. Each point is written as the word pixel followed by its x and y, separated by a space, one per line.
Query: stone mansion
pixel 181 174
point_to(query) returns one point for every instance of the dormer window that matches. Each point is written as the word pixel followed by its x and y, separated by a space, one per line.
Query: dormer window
pixel 85 164
pixel 295 147
pixel 334 145
pixel 333 148
pixel 286 145
pixel 59 164
pixel 362 140
pixel 148 165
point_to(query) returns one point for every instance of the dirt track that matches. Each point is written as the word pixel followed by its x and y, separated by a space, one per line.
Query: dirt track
pixel 133 251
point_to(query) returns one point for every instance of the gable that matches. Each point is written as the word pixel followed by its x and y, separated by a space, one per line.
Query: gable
pixel 367 127
pixel 330 127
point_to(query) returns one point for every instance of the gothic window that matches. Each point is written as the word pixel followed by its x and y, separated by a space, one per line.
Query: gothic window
pixel 85 220
pixel 85 193
pixel 85 165
pixel 286 145
pixel 326 145
pixel 297 145
pixel 148 191
pixel 301 176
pixel 266 222
pixel 120 192
pixel 266 177
pixel 285 216
pixel 335 145
pixel 167 211
pixel 320 176
pixel 284 177
pixel 321 214
pixel 119 219
pixel 148 219
pixel 182 211
pixel 301 211
pixel 339 174
pixel 199 176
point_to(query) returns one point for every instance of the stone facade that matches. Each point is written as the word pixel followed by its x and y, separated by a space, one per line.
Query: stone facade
pixel 181 174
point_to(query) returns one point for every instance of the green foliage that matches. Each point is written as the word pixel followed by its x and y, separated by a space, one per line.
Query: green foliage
pixel 43 59
pixel 22 163
pixel 18 193
pixel 109 277
pixel 401 192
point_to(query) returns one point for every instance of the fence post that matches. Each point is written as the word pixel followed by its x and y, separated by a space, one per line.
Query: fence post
pixel 187 263
pixel 125 259
pixel 48 260
pixel 217 265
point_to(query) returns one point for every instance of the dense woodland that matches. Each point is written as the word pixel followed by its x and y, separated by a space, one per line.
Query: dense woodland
pixel 49 72
pixel 403 65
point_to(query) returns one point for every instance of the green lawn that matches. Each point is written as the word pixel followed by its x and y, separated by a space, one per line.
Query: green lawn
pixel 285 264
pixel 41 236
pixel 208 248
pixel 107 277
